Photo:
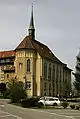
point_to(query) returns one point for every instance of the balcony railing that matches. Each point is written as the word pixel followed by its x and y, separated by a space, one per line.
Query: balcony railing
pixel 5 61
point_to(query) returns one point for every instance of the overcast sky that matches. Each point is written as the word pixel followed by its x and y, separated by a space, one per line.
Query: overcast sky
pixel 57 24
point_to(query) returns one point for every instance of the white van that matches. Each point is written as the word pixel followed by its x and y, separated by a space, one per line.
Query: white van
pixel 51 101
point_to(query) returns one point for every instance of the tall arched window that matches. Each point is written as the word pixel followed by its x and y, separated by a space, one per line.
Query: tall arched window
pixel 28 65
pixel 53 73
pixel 49 71
pixel 45 70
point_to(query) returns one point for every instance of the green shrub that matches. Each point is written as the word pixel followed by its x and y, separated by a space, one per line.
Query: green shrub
pixel 65 104
pixel 77 107
pixel 23 103
pixel 16 93
pixel 7 94
pixel 40 104
pixel 72 106
pixel 29 102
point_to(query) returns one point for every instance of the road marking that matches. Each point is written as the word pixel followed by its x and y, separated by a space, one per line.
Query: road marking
pixel 70 117
pixel 9 114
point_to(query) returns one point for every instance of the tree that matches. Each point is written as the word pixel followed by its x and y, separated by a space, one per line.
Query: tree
pixel 77 74
pixel 17 91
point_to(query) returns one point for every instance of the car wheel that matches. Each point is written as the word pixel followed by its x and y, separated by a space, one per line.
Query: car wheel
pixel 55 104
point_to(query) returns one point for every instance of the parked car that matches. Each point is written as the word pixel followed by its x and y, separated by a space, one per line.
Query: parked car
pixel 49 101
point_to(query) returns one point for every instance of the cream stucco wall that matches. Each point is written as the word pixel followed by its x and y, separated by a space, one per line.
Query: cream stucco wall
pixel 36 74
pixel 22 74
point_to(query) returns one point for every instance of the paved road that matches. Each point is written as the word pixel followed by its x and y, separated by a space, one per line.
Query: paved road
pixel 14 112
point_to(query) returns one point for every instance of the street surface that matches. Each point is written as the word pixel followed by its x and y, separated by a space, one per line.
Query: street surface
pixel 9 111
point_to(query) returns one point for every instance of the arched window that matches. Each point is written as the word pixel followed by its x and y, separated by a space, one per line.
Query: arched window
pixel 53 73
pixel 49 71
pixel 28 65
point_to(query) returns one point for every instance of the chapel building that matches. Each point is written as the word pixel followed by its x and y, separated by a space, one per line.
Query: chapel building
pixel 34 64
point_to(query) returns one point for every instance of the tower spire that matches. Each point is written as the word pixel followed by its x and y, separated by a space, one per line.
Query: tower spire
pixel 31 27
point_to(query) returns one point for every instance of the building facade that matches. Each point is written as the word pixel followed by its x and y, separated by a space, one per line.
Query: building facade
pixel 34 64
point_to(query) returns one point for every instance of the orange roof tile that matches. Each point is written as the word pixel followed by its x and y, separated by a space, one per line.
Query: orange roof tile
pixel 43 50
pixel 6 54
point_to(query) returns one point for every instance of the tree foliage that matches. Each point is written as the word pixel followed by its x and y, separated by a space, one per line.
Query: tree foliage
pixel 16 90
pixel 77 74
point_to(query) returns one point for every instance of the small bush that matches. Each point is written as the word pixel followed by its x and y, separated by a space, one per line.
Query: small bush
pixel 24 103
pixel 7 94
pixel 77 107
pixel 65 104
pixel 40 104
pixel 72 106
pixel 30 102
pixel 17 93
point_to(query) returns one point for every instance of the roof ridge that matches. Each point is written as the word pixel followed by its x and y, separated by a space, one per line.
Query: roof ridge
pixel 40 43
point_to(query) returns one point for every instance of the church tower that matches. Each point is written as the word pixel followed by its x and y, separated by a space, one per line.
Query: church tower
pixel 31 29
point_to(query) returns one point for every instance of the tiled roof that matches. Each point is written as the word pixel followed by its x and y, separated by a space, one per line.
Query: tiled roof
pixel 43 50
pixel 26 44
pixel 6 54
